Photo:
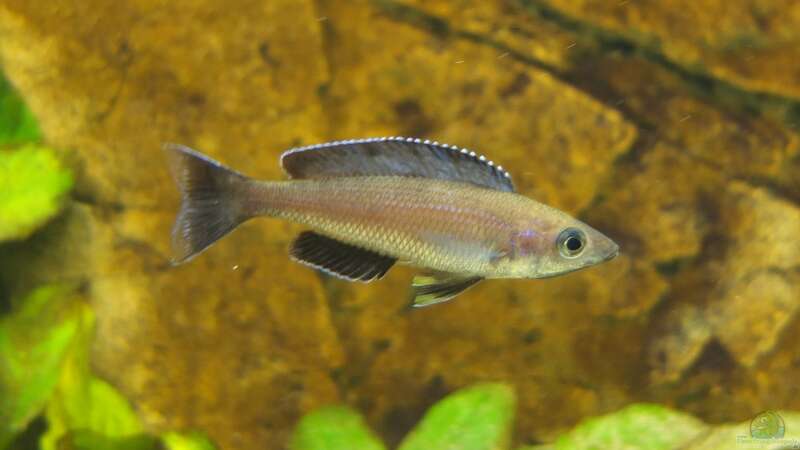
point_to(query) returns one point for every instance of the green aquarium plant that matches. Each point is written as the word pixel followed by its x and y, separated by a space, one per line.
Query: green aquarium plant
pixel 35 341
pixel 640 427
pixel 46 336
pixel 334 428
pixel 17 123
pixel 33 185
pixel 44 370
pixel 474 418
pixel 480 418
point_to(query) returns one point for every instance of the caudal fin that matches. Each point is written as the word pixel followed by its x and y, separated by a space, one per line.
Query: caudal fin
pixel 211 201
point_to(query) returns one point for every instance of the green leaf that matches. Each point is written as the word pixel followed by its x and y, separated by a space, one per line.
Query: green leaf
pixel 475 418
pixel 334 428
pixel 34 342
pixel 84 402
pixel 187 441
pixel 17 124
pixel 637 427
pixel 32 187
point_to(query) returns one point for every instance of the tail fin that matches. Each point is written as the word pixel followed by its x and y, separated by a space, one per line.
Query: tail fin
pixel 211 201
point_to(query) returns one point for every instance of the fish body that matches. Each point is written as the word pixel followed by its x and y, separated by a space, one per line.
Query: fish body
pixel 373 202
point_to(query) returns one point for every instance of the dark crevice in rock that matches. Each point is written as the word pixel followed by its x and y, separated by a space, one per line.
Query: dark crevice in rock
pixel 702 84
pixel 669 269
pixel 5 300
pixel 645 140
pixel 532 336
pixel 341 378
pixel 112 102
pixel 649 136
pixel 399 421
pixel 642 144
pixel 152 259
pixel 582 75
pixel 781 272
pixel 327 35
pixel 266 55
pixel 30 437
pixel 420 19
pixel 504 49
pixel 107 208
pixel 774 188
pixel 412 118
pixel 440 28
pixel 596 88
pixel 699 394
pixel 714 358
pixel 88 199
pixel 520 83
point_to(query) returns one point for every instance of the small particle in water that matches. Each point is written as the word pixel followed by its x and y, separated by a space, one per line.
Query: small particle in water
pixel 460 61
pixel 686 117
pixel 235 267
pixel 571 45
pixel 322 19
pixel 502 55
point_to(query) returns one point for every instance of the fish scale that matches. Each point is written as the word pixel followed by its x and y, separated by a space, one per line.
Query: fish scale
pixel 401 216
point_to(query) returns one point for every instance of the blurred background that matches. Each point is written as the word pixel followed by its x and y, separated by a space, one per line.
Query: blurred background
pixel 671 126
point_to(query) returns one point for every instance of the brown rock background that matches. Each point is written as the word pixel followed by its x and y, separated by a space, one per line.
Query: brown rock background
pixel 672 126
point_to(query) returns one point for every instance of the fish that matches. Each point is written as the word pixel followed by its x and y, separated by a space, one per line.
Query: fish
pixel 371 203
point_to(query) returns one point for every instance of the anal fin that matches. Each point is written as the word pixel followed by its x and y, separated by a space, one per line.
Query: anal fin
pixel 339 259
pixel 438 288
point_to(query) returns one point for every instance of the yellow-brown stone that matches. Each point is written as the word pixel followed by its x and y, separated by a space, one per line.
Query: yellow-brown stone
pixel 753 44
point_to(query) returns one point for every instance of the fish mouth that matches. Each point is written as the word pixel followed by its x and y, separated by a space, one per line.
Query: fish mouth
pixel 612 254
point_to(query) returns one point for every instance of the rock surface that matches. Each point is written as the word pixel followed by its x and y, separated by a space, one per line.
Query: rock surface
pixel 752 43
pixel 699 311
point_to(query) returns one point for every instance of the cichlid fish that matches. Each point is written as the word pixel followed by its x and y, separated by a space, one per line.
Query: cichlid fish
pixel 374 202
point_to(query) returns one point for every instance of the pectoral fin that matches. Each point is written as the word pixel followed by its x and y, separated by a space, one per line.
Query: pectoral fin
pixel 438 288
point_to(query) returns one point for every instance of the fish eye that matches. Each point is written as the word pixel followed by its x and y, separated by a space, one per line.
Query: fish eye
pixel 571 242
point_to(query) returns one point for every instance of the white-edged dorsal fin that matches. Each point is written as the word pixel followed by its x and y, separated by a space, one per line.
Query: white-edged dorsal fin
pixel 397 156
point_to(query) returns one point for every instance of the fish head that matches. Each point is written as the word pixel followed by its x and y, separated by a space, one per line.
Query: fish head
pixel 557 246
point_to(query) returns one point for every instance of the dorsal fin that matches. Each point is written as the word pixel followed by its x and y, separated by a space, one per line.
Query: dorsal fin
pixel 394 156
pixel 339 259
